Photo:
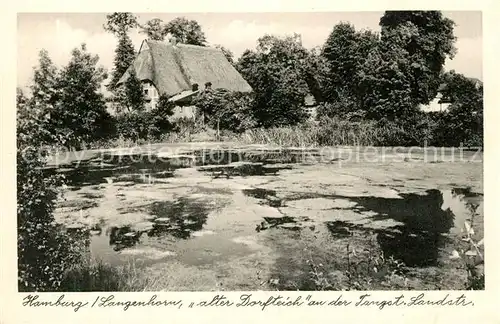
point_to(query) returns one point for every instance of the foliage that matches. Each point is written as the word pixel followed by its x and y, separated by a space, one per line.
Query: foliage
pixel 462 124
pixel 391 75
pixel 226 110
pixel 154 29
pixel 134 98
pixel 44 92
pixel 290 136
pixel 427 39
pixel 160 117
pixel 133 125
pixel 275 70
pixel 336 131
pixel 345 51
pixel 119 23
pixel 186 31
pixel 146 124
pixel 315 74
pixel 471 251
pixel 384 80
pixel 44 86
pixel 351 131
pixel 124 57
pixel 360 268
pixel 44 251
pixel 80 114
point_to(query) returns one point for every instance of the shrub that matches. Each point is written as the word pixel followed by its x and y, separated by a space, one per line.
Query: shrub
pixel 133 125
pixel 455 128
pixel 226 110
pixel 44 251
pixel 138 125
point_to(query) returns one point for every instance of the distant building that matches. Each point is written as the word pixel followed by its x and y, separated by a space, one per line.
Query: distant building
pixel 443 101
pixel 440 103
pixel 180 71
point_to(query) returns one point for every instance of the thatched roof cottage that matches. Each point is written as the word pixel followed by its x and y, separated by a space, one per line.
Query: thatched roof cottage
pixel 180 71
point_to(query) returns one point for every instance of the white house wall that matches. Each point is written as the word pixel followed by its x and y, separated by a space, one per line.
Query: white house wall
pixel 434 105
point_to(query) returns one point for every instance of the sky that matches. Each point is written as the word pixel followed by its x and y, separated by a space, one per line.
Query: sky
pixel 59 33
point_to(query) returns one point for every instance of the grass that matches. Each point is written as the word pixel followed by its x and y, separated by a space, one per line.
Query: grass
pixel 361 269
pixel 328 132
pixel 294 136
pixel 95 275
pixel 331 132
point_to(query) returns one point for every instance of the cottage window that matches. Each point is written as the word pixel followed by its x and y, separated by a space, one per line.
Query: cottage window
pixel 145 91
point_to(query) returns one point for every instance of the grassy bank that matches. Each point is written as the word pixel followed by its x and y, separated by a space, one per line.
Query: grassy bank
pixel 95 275
pixel 329 132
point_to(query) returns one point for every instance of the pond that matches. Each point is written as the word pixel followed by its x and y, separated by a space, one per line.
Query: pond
pixel 159 213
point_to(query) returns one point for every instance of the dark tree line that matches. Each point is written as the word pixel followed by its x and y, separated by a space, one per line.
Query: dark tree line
pixel 354 75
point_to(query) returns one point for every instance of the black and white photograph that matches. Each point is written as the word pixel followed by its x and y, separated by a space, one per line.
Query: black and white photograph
pixel 250 151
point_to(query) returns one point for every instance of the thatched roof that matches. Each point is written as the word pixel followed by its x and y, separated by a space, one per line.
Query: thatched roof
pixel 175 68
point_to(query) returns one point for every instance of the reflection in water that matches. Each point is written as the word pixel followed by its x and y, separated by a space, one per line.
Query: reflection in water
pixel 122 237
pixel 179 219
pixel 426 219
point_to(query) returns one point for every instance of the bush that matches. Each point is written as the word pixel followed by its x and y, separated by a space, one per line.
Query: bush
pixel 456 129
pixel 152 124
pixel 44 250
pixel 226 110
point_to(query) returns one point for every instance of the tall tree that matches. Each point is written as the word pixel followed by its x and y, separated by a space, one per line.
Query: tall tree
pixel 119 23
pixel 428 40
pixel 44 94
pixel 134 93
pixel 124 57
pixel 154 29
pixel 186 31
pixel 43 88
pixel 275 70
pixel 385 91
pixel 345 51
pixel 81 114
